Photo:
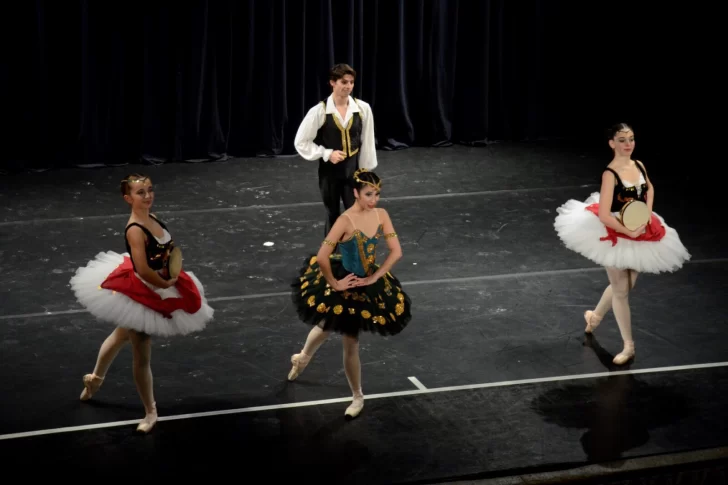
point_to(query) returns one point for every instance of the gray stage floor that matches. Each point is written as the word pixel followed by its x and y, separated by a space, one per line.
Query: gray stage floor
pixel 493 375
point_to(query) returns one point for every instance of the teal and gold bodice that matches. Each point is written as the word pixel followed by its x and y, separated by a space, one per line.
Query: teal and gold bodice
pixel 359 254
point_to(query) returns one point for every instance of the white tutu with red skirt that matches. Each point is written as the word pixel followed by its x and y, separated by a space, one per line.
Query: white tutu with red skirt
pixel 659 250
pixel 111 291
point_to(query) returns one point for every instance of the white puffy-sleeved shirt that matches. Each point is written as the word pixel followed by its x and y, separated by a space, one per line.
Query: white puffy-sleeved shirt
pixel 315 119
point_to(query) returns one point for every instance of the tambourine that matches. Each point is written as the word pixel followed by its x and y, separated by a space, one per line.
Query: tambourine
pixel 175 262
pixel 634 214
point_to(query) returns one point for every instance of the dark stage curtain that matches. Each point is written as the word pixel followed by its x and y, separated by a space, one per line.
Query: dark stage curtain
pixel 91 82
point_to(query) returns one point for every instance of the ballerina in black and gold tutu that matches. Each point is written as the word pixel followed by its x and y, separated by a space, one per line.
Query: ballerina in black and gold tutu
pixel 349 292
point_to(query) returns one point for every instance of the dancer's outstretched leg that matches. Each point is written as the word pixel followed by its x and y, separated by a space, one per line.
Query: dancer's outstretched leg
pixel 594 318
pixel 316 337
pixel 107 353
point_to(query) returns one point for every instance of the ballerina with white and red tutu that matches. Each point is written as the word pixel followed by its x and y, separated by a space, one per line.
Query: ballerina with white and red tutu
pixel 136 292
pixel 593 229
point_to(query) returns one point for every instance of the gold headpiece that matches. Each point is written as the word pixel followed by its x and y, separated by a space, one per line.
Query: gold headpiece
pixel 131 180
pixel 377 186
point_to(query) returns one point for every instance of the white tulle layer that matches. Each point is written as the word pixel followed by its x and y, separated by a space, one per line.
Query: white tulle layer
pixel 124 312
pixel 580 231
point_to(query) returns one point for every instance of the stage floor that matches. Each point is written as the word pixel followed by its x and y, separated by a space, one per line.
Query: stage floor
pixel 494 375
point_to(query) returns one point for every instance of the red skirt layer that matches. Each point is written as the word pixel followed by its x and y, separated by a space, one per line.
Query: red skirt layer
pixel 654 230
pixel 124 280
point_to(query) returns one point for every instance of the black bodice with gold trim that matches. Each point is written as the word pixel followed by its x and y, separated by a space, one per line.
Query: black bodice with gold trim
pixel 624 194
pixel 334 136
pixel 157 253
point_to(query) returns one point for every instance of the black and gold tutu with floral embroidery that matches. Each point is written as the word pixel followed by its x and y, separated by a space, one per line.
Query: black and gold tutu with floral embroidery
pixel 381 307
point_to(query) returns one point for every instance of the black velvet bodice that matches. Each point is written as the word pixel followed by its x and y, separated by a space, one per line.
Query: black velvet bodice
pixel 157 253
pixel 624 194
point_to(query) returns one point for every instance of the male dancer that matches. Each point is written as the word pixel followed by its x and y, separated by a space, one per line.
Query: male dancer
pixel 339 133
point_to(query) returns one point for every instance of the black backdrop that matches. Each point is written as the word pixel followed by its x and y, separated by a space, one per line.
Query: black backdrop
pixel 105 82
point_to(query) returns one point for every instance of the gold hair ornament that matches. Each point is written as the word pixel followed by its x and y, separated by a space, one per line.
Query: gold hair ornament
pixel 130 180
pixel 377 186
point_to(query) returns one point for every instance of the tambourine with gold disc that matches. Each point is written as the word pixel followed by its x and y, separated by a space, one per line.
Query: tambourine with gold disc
pixel 634 214
pixel 175 262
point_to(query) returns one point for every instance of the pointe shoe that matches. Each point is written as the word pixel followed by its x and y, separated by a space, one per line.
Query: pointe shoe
pixel 355 407
pixel 91 384
pixel 146 424
pixel 299 361
pixel 592 321
pixel 626 354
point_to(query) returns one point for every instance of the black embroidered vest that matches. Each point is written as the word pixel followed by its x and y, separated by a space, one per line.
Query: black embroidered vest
pixel 337 137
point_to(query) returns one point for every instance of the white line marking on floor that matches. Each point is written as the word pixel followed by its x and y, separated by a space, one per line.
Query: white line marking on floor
pixel 347 399
pixel 417 383
pixel 291 205
pixel 465 279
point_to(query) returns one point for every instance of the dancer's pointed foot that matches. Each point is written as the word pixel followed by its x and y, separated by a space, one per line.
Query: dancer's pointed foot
pixel 355 407
pixel 91 384
pixel 146 424
pixel 626 354
pixel 592 321
pixel 299 361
